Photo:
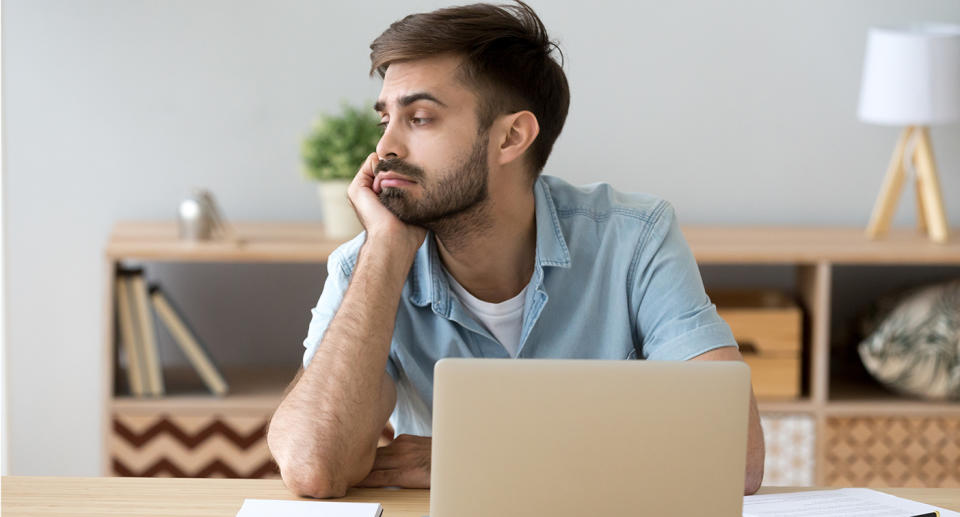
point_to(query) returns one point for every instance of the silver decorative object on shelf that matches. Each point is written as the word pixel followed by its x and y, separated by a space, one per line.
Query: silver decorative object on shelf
pixel 201 219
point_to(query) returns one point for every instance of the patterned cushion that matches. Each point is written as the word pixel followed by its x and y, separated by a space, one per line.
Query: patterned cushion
pixel 915 348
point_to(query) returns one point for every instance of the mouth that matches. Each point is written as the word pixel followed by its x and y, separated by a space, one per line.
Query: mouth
pixel 392 179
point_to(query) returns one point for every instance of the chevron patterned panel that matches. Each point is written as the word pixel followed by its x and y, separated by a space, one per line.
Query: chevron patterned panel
pixel 893 451
pixel 168 445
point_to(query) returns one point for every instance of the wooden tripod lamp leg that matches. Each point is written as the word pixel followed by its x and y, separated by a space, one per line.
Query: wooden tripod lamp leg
pixel 921 209
pixel 886 203
pixel 930 188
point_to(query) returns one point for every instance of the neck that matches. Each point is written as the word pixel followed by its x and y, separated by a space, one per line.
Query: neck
pixel 491 249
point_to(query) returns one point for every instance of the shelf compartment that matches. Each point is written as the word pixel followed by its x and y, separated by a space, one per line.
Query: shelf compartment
pixel 853 391
pixel 767 325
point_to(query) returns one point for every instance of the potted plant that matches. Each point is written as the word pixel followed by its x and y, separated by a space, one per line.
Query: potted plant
pixel 333 152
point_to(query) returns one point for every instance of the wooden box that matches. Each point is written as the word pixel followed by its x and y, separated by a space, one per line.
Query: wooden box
pixel 768 327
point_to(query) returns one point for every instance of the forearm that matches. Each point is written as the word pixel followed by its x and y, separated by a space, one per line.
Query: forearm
pixel 755 449
pixel 326 428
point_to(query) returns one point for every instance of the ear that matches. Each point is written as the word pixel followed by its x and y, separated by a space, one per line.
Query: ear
pixel 520 129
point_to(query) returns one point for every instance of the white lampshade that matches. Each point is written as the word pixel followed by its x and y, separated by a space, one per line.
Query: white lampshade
pixel 911 75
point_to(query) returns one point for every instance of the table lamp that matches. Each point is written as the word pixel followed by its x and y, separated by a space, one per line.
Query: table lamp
pixel 911 79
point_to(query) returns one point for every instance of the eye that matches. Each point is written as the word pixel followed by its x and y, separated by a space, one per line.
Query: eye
pixel 419 121
pixel 382 124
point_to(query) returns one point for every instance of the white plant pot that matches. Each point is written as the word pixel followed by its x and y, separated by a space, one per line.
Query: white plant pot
pixel 339 219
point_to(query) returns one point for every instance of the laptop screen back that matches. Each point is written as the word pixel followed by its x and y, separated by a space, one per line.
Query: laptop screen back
pixel 588 437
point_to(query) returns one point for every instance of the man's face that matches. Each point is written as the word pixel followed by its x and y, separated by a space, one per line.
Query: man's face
pixel 433 160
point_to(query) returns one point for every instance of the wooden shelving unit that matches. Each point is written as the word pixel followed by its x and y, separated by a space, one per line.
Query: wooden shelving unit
pixel 813 252
pixel 190 432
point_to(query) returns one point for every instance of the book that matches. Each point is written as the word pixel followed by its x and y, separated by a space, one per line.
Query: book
pixel 129 335
pixel 187 340
pixel 283 508
pixel 148 336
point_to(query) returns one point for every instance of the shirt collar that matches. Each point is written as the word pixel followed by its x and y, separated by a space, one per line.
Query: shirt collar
pixel 428 283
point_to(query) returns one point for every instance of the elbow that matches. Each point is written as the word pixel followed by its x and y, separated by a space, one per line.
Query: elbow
pixel 310 476
pixel 312 481
pixel 753 482
pixel 304 473
pixel 754 476
pixel 756 454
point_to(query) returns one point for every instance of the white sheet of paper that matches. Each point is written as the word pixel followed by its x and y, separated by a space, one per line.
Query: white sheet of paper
pixel 845 502
pixel 280 508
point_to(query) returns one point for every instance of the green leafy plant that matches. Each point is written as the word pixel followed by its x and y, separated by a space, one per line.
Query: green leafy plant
pixel 337 145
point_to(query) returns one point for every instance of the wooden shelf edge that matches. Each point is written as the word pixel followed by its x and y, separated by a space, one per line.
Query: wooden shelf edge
pixel 300 241
pixel 904 408
pixel 812 244
pixel 260 403
pixel 786 406
pixel 318 254
pixel 255 242
pixel 196 403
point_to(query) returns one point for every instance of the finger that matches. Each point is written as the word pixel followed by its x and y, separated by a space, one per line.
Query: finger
pixel 366 174
pixel 376 177
pixel 405 478
pixel 380 478
pixel 389 450
pixel 388 460
pixel 371 164
pixel 362 183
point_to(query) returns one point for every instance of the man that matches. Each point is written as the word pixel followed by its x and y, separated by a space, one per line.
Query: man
pixel 470 252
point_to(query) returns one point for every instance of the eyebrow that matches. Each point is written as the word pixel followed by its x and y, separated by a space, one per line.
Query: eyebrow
pixel 407 100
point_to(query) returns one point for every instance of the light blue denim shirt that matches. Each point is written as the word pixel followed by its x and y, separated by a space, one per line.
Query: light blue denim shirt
pixel 613 279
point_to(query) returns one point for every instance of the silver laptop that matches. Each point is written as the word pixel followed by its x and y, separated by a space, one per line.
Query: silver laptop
pixel 561 438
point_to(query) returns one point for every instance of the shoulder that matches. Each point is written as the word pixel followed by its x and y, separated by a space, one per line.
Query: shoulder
pixel 602 207
pixel 600 201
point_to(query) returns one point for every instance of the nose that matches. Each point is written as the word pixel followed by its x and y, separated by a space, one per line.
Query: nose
pixel 391 143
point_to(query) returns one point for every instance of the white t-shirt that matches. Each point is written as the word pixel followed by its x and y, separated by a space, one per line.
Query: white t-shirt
pixel 504 320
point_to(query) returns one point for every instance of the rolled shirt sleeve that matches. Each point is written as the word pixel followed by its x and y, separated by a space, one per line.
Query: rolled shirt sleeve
pixel 675 318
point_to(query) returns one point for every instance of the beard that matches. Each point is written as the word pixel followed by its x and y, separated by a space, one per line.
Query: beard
pixel 460 189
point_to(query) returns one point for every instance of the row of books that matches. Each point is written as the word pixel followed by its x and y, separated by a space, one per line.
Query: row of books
pixel 138 337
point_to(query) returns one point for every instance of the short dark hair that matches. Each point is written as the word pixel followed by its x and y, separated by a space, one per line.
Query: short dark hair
pixel 507 60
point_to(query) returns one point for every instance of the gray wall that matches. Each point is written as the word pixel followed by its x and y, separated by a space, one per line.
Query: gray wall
pixel 737 111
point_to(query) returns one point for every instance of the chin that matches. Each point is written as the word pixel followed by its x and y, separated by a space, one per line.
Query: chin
pixel 397 202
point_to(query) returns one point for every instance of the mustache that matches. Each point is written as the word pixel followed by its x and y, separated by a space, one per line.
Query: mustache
pixel 399 166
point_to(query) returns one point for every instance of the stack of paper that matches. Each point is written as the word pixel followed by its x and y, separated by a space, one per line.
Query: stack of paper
pixel 278 508
pixel 845 502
